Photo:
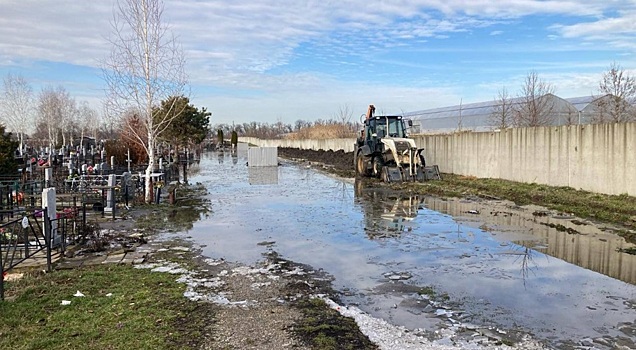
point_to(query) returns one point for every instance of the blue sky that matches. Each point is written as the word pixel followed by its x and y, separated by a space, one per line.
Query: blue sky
pixel 270 60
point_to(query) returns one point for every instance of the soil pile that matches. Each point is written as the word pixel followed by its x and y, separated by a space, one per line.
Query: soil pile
pixel 339 162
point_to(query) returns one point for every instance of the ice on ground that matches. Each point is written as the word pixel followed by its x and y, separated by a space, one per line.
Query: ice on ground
pixel 391 337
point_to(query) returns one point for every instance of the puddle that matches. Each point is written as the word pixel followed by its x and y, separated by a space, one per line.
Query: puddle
pixel 485 263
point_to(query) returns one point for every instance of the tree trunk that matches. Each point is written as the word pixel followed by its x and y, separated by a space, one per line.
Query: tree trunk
pixel 150 168
pixel 21 144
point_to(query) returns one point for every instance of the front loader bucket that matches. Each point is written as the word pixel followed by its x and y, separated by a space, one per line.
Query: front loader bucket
pixel 432 173
pixel 391 174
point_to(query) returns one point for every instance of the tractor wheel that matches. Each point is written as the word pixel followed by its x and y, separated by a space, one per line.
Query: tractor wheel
pixel 361 166
pixel 378 164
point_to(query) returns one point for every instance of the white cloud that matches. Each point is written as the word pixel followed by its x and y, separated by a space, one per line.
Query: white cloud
pixel 248 46
pixel 618 30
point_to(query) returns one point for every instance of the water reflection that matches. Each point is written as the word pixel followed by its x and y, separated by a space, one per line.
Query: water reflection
pixel 263 175
pixel 386 213
pixel 525 259
pixel 565 238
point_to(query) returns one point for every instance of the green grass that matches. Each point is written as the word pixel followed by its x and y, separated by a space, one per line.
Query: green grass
pixel 324 328
pixel 614 209
pixel 146 311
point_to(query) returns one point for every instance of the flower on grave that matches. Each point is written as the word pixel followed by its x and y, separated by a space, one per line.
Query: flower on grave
pixel 6 234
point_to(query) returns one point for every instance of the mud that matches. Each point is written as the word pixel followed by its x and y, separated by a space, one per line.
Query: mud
pixel 338 162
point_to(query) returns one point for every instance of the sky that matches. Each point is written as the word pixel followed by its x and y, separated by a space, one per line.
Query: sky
pixel 284 60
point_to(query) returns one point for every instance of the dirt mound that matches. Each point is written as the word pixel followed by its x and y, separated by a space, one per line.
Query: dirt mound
pixel 340 161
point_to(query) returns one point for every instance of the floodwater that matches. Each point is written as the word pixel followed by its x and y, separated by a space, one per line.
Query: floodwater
pixel 517 268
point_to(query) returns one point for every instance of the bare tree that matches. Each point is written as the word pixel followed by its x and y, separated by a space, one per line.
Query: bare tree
pixel 343 117
pixel 51 110
pixel 503 111
pixel 87 122
pixel 146 66
pixel 17 106
pixel 622 90
pixel 535 105
pixel 69 117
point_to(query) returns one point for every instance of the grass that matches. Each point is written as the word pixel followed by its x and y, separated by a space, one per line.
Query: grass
pixel 614 209
pixel 324 328
pixel 146 311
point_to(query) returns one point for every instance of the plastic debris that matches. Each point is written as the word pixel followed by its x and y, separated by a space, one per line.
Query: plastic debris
pixel 66 302
pixel 78 294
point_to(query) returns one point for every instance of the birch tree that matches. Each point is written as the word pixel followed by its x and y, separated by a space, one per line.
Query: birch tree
pixel 535 106
pixel 51 111
pixel 146 66
pixel 87 122
pixel 69 116
pixel 17 106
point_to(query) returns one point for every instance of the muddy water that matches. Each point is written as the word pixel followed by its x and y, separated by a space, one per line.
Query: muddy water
pixel 493 263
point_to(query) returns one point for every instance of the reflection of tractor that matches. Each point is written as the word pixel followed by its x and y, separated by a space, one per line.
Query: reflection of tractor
pixel 383 150
pixel 387 213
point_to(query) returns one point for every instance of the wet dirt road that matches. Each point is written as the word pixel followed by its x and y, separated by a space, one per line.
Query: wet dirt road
pixel 426 262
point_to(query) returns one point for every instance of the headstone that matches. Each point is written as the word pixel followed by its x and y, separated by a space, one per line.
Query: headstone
pixel 110 196
pixel 112 162
pixel 127 186
pixel 48 202
pixel 48 176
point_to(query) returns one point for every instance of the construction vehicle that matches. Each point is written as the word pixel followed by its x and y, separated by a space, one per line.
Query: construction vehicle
pixel 383 150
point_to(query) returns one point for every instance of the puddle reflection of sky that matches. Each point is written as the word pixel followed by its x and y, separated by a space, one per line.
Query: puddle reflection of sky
pixel 316 220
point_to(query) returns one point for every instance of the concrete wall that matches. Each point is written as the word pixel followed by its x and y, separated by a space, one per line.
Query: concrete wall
pixel 325 145
pixel 599 158
pixel 262 156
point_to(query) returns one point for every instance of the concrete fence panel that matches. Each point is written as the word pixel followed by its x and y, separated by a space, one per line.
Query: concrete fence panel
pixel 262 156
pixel 594 157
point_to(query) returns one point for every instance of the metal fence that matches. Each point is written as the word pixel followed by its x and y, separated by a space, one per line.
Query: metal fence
pixel 34 235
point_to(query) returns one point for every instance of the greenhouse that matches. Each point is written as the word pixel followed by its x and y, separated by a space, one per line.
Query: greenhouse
pixel 479 116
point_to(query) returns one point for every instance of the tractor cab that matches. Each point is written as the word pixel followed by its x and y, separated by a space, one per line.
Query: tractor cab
pixel 377 128
pixel 386 126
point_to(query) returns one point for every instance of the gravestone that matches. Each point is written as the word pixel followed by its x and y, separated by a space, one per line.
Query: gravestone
pixel 110 196
pixel 48 203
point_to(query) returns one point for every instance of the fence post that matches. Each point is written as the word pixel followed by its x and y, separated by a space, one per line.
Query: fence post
pixel 1 275
pixel 47 237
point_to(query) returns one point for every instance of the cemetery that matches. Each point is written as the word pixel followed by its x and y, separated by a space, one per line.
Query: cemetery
pixel 57 198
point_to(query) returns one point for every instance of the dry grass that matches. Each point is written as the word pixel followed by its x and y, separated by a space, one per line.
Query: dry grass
pixel 322 132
